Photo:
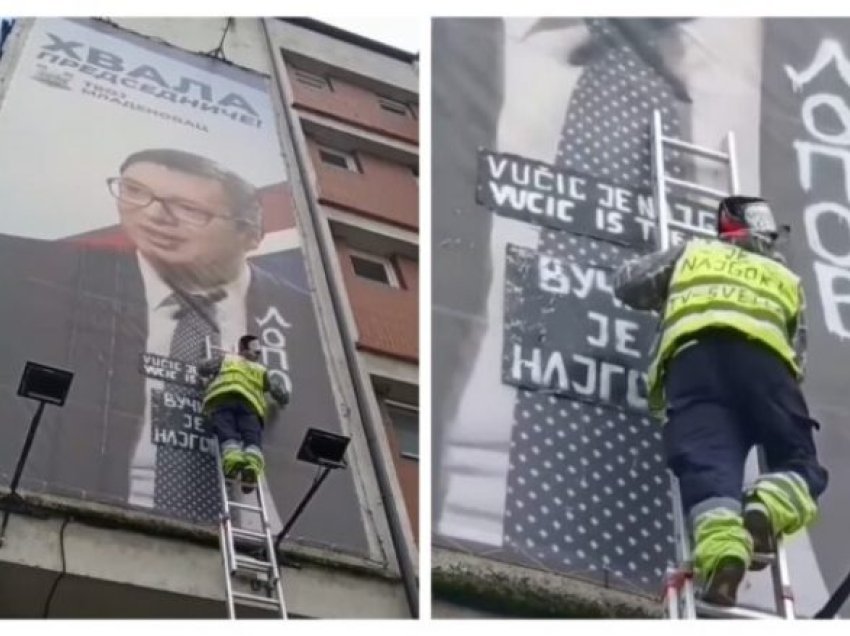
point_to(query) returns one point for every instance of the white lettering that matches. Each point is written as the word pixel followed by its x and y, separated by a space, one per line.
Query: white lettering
pixel 532 365
pixel 601 339
pixel 829 50
pixel 838 107
pixel 624 334
pixel 496 168
pixel 273 314
pixel 842 215
pixel 828 277
pixel 590 387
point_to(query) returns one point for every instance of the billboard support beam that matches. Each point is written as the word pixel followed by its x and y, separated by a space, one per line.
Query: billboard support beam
pixel 45 385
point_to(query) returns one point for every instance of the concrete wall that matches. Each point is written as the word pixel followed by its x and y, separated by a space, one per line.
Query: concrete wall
pixel 112 573
pixel 493 587
pixel 244 46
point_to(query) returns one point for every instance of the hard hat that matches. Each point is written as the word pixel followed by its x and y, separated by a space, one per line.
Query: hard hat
pixel 741 217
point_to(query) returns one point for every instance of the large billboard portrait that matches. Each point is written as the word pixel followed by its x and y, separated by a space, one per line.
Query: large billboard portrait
pixel 545 454
pixel 148 217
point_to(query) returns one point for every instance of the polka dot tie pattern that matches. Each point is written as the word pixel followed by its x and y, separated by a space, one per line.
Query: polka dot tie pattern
pixel 186 482
pixel 587 489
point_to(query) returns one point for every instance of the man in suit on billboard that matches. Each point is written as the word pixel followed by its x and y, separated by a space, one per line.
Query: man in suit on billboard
pixel 131 320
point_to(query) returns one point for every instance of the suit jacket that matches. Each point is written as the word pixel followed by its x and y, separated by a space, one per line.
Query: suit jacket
pixel 84 309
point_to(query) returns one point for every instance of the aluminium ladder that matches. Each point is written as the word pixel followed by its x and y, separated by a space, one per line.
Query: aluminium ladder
pixel 679 592
pixel 262 575
pixel 266 574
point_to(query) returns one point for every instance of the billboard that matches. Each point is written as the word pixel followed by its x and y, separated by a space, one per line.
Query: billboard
pixel 148 214
pixel 544 452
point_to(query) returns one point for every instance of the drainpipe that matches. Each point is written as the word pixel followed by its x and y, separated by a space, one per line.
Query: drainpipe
pixel 371 428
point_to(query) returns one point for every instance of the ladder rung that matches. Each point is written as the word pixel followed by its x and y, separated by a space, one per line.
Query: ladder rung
pixel 255 565
pixel 767 559
pixel 688 185
pixel 241 506
pixel 697 150
pixel 696 229
pixel 718 611
pixel 261 601
pixel 248 534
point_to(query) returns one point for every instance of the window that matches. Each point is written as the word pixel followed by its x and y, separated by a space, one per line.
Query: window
pixel 392 106
pixel 339 159
pixel 405 423
pixel 374 268
pixel 320 82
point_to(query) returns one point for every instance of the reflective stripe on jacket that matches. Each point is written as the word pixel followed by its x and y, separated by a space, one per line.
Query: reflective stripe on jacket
pixel 243 377
pixel 718 285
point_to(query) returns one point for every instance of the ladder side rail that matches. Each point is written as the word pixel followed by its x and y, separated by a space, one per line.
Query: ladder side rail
pixel 227 522
pixel 734 184
pixel 225 536
pixel 683 548
pixel 658 185
pixel 782 582
pixel 270 549
pixel 672 592
pixel 228 586
pixel 780 573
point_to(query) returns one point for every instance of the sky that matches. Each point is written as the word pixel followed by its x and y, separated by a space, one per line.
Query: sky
pixel 404 33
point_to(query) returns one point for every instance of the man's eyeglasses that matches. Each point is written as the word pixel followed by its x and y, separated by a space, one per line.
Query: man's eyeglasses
pixel 137 195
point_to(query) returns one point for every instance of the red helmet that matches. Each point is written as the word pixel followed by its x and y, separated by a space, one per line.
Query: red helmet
pixel 744 218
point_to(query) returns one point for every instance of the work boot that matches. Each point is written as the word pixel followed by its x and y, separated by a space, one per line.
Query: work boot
pixel 232 460
pixel 722 585
pixel 254 465
pixel 249 479
pixel 757 523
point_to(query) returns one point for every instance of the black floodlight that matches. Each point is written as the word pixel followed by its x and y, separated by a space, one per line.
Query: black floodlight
pixel 323 448
pixel 326 450
pixel 45 384
pixel 48 385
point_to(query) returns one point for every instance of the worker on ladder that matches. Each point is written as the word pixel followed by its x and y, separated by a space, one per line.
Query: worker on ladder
pixel 235 407
pixel 727 367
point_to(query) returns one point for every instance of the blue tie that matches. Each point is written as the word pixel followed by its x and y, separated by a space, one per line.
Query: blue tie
pixel 587 489
pixel 186 483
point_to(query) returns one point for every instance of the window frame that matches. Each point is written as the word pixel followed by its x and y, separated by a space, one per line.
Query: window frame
pixel 392 275
pixel 394 106
pixel 352 163
pixel 311 79
pixel 407 407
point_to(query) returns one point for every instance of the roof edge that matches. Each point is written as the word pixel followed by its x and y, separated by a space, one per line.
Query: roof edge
pixel 353 38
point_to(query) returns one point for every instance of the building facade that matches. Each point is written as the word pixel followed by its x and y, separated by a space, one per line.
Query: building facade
pixel 356 126
pixel 322 125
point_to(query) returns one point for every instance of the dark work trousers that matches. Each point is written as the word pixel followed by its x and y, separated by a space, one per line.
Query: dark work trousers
pixel 726 393
pixel 233 418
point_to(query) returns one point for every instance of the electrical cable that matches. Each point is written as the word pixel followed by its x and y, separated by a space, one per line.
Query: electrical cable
pixel 64 571
pixel 218 52
pixel 838 598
